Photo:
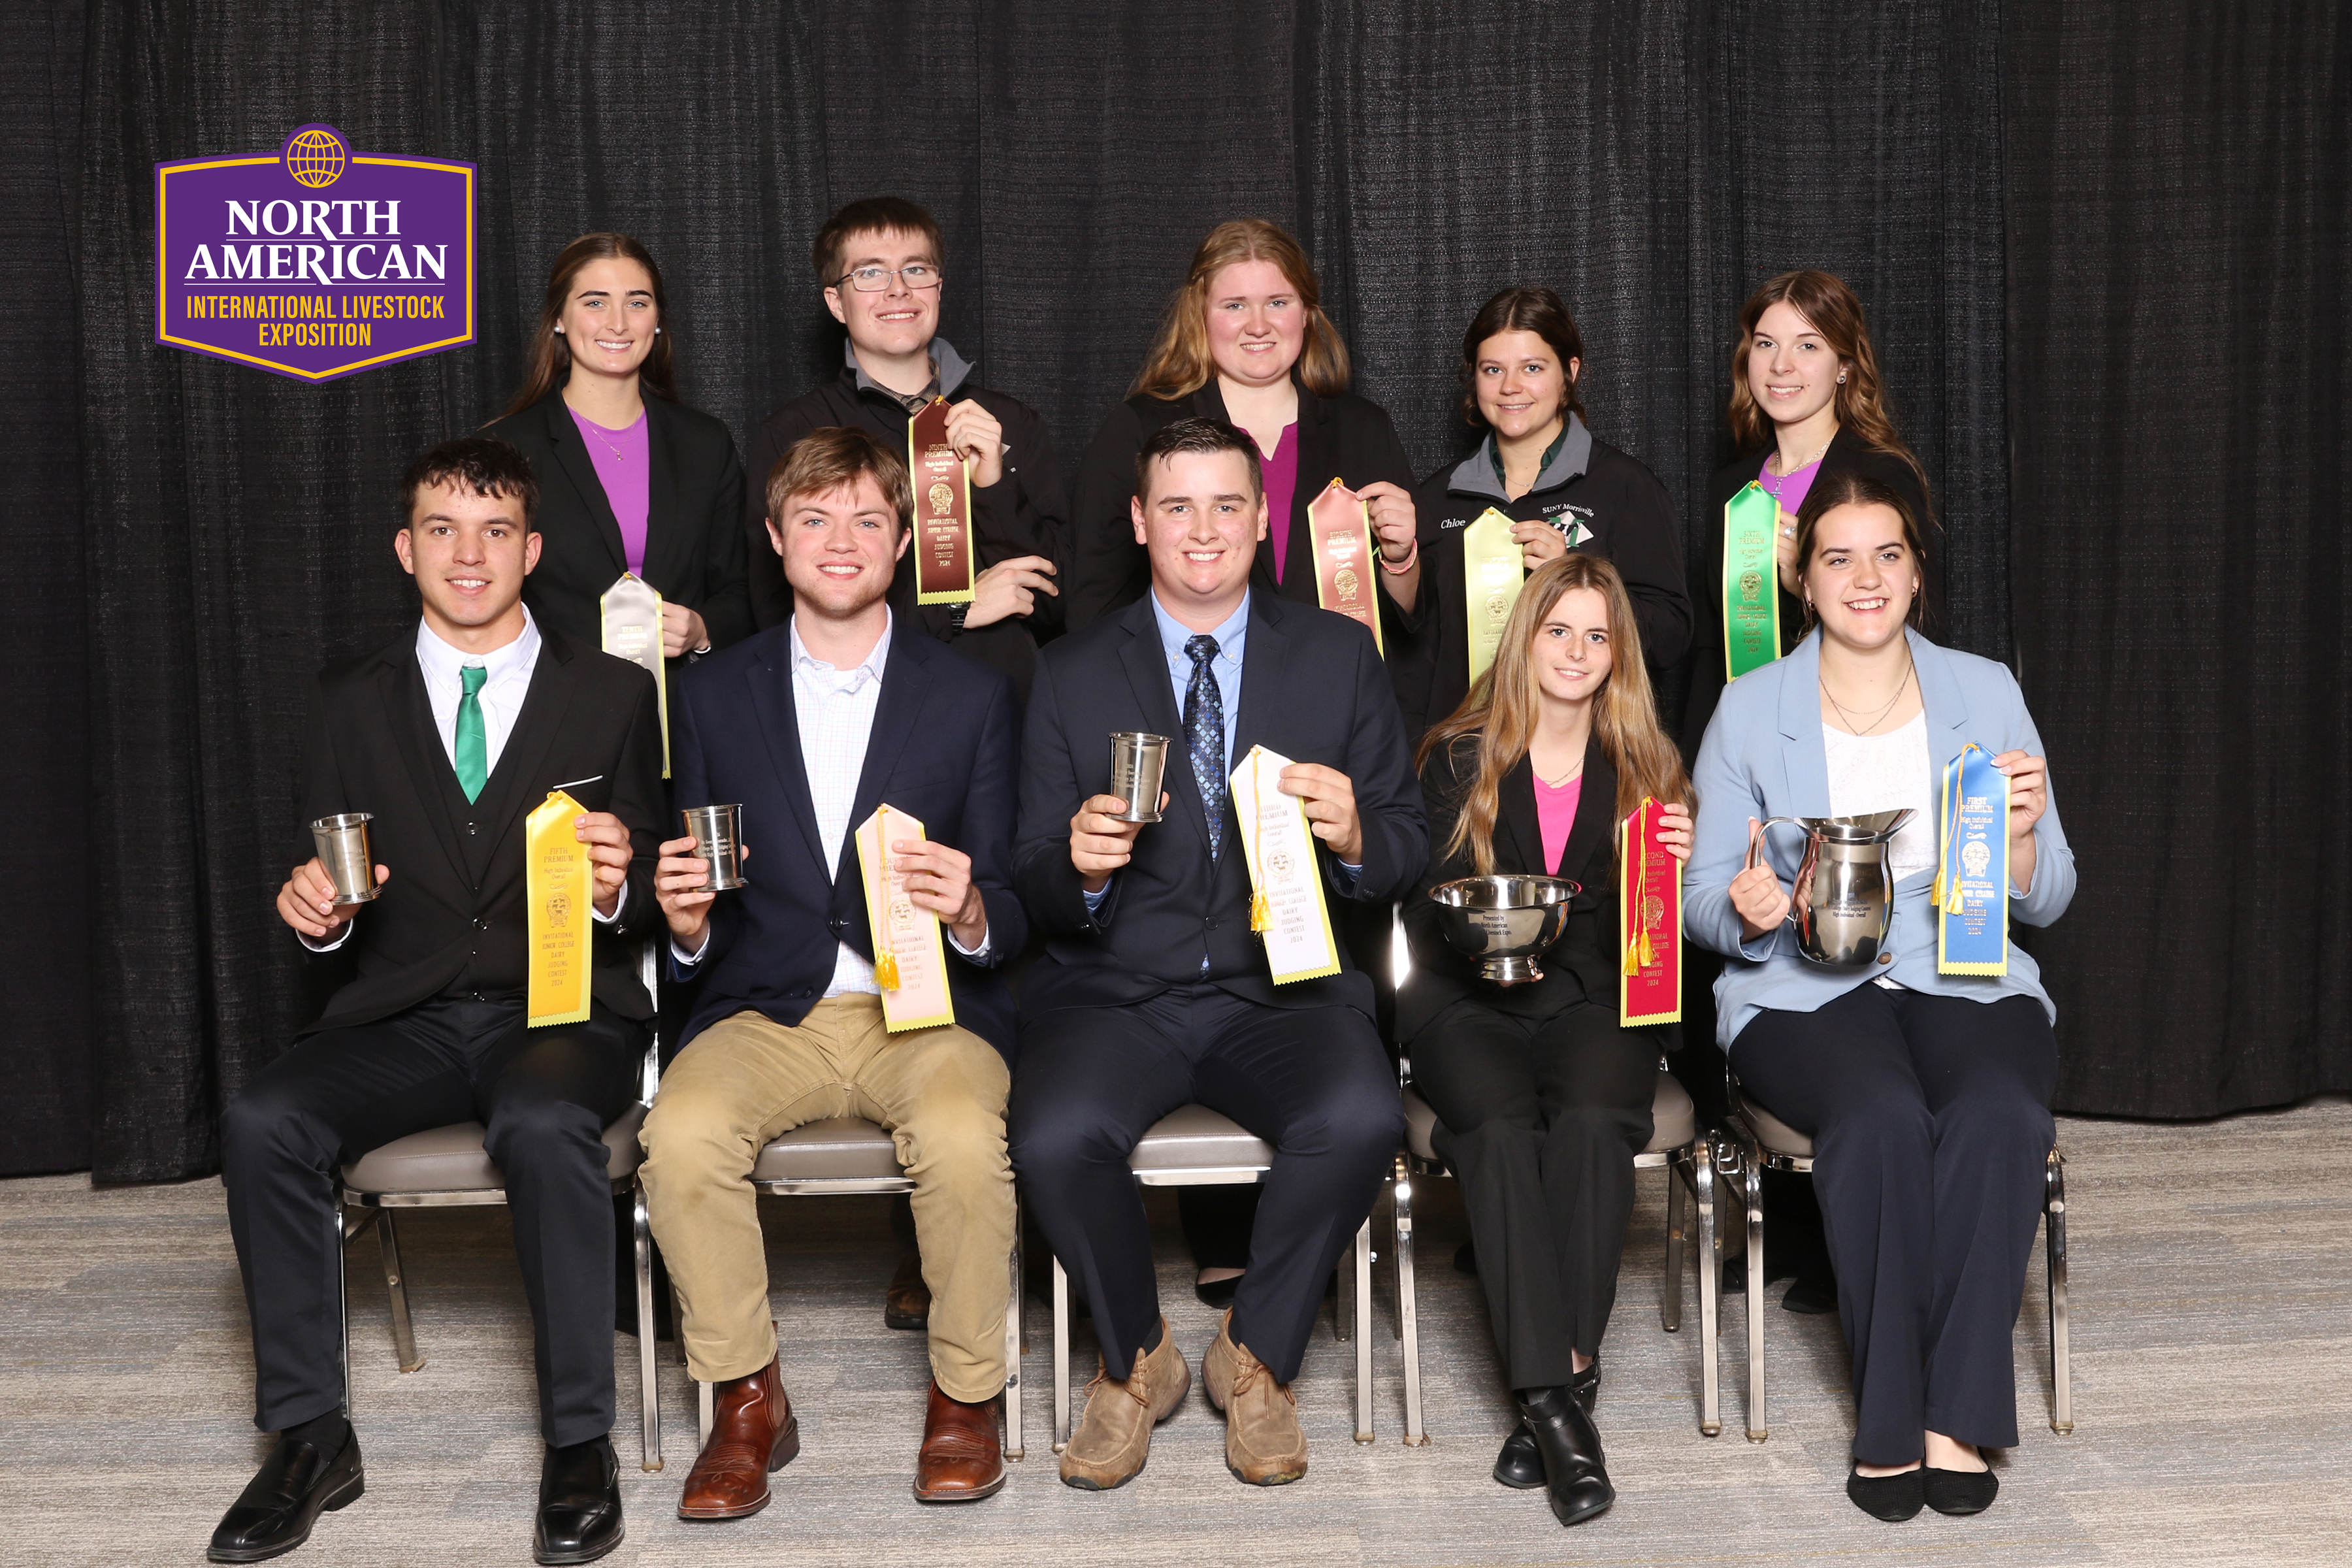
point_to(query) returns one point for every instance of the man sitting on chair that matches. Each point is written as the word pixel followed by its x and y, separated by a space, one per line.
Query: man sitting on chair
pixel 449 737
pixel 810 727
pixel 1154 992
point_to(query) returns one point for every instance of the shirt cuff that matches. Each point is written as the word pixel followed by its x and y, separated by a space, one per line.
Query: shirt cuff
pixel 686 960
pixel 1348 874
pixel 329 946
pixel 1095 900
pixel 618 905
pixel 977 955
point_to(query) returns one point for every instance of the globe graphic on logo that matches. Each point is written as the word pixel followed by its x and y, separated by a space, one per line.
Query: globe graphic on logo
pixel 315 157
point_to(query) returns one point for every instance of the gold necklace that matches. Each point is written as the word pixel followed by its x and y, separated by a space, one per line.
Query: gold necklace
pixel 1576 772
pixel 619 455
pixel 1910 669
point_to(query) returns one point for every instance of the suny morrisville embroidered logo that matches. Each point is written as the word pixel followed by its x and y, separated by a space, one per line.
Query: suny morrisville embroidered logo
pixel 316 261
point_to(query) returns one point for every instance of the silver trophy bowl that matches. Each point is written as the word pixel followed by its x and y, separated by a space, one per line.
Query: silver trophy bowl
pixel 1504 921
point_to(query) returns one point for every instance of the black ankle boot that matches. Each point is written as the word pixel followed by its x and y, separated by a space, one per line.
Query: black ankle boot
pixel 1575 1470
pixel 1521 1464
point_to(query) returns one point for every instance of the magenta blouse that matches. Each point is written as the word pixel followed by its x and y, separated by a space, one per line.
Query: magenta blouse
pixel 1555 815
pixel 621 461
pixel 1281 472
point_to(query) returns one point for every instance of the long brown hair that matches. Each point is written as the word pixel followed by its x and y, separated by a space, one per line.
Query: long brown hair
pixel 1179 364
pixel 550 361
pixel 1835 311
pixel 1524 309
pixel 1503 706
pixel 1849 489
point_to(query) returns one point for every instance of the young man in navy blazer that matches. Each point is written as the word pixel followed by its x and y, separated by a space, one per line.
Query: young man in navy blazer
pixel 810 726
pixel 1153 991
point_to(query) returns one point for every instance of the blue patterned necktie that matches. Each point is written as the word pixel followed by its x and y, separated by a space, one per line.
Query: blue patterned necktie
pixel 1205 737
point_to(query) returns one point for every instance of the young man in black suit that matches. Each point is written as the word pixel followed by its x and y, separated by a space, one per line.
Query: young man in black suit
pixel 450 736
pixel 1153 991
pixel 811 726
pixel 880 263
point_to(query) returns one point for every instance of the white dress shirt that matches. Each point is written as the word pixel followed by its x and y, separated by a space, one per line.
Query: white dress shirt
pixel 834 708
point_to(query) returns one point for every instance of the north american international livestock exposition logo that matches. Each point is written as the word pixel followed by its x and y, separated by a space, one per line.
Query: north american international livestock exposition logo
pixel 315 261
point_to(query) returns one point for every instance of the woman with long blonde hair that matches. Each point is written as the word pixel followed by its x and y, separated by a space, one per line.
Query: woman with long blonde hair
pixel 1244 340
pixel 1542 1097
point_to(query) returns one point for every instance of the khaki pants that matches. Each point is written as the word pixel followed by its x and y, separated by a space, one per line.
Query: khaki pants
pixel 939 1093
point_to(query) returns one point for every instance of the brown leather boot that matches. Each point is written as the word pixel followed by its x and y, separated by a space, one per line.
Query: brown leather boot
pixel 1264 1444
pixel 1114 1437
pixel 752 1432
pixel 961 1458
pixel 906 1303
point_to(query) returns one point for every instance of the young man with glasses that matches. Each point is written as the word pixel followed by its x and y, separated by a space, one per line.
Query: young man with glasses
pixel 880 263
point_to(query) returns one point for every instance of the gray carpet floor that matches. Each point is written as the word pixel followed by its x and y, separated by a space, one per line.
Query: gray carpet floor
pixel 2212 1323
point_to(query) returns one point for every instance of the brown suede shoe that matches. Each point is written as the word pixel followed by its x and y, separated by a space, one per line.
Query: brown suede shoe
pixel 961 1458
pixel 906 1303
pixel 1264 1444
pixel 1114 1437
pixel 752 1432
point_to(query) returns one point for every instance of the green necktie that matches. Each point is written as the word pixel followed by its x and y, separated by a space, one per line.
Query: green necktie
pixel 473 745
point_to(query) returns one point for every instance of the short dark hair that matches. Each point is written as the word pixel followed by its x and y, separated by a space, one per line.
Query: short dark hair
pixel 1523 309
pixel 874 215
pixel 823 461
pixel 482 464
pixel 1197 434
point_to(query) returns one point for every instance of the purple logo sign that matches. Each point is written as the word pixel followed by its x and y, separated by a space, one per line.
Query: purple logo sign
pixel 316 262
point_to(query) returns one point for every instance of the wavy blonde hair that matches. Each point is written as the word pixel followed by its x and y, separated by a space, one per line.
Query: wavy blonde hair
pixel 1179 364
pixel 1504 705
pixel 1835 312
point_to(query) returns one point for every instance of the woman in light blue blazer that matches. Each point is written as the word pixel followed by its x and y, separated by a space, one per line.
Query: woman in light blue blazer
pixel 1926 1095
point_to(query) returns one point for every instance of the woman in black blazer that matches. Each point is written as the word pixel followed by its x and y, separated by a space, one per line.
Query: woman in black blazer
pixel 1542 1097
pixel 1245 340
pixel 1806 403
pixel 630 480
pixel 1522 362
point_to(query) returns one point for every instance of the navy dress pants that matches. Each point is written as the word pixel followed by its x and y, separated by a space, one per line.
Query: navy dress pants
pixel 1313 1082
pixel 1931 1128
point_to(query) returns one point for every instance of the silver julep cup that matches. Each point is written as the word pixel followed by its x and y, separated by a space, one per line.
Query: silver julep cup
pixel 719 838
pixel 349 858
pixel 1138 761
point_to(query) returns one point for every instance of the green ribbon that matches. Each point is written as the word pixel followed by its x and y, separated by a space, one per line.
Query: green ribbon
pixel 1751 581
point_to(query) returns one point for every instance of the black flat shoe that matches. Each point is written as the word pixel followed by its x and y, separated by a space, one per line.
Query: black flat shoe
pixel 1575 1469
pixel 1217 1293
pixel 1521 1464
pixel 1890 1498
pixel 579 1503
pixel 1959 1492
pixel 294 1486
pixel 1812 1294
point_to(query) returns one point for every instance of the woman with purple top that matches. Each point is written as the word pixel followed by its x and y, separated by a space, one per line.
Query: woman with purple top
pixel 1806 401
pixel 630 480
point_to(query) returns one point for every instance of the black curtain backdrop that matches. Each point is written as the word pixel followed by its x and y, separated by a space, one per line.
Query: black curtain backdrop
pixel 2178 327
pixel 200 536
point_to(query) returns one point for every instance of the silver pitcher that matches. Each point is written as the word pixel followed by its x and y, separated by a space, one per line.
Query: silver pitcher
pixel 1843 901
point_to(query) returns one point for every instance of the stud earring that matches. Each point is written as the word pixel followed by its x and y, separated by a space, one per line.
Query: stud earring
pixel 559 332
pixel 1840 380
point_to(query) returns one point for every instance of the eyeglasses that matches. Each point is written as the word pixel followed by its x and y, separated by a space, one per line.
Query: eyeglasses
pixel 874 280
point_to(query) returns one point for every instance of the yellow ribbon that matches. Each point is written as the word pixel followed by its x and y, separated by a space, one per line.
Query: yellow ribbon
pixel 886 962
pixel 560 890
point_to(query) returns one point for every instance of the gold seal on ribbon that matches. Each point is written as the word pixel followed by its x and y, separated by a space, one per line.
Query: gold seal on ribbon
pixel 944 552
pixel 560 890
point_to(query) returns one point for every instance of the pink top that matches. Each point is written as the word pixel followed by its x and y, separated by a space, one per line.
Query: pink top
pixel 621 463
pixel 1555 815
pixel 1789 490
pixel 1281 472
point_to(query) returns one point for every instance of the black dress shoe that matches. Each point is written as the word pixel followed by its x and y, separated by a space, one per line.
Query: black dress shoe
pixel 1521 1464
pixel 1890 1498
pixel 1959 1492
pixel 1814 1295
pixel 296 1484
pixel 579 1503
pixel 1575 1470
pixel 1217 1293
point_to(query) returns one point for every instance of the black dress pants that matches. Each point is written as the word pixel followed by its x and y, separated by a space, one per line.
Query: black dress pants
pixel 1930 1121
pixel 1540 1119
pixel 1315 1083
pixel 545 1096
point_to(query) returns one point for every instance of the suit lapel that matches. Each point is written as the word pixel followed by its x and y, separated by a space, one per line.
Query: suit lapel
pixel 1518 828
pixel 1147 673
pixel 524 757
pixel 1317 467
pixel 770 688
pixel 1803 753
pixel 402 683
pixel 1947 705
pixel 1266 654
pixel 580 471
pixel 662 524
pixel 894 713
pixel 1596 812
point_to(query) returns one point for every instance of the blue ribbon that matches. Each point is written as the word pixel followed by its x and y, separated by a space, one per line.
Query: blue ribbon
pixel 1971 890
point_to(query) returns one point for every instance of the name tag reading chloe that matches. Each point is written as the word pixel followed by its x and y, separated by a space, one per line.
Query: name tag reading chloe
pixel 944 564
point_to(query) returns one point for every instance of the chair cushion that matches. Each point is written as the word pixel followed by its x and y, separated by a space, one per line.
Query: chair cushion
pixel 838 1148
pixel 1777 1136
pixel 451 1159
pixel 1674 1122
pixel 1196 1138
